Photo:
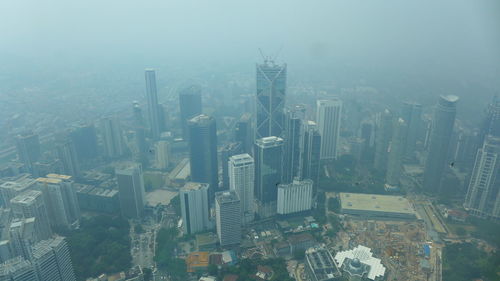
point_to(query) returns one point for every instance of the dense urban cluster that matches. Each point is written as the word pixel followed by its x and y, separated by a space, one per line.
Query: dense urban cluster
pixel 280 191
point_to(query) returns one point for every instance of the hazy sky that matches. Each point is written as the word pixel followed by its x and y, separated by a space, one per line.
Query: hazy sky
pixel 375 30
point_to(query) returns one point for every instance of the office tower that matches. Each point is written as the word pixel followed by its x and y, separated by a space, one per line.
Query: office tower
pixel 464 153
pixel 56 203
pixel 491 121
pixel 311 154
pixel 30 204
pixel 411 113
pixel 356 147
pixel 138 116
pixel 195 207
pixel 18 269
pixel 328 117
pixel 293 144
pixel 131 190
pixel 295 197
pixel 190 106
pixel 367 133
pixel 439 142
pixel 84 138
pixel 163 116
pixel 396 152
pixel 203 152
pixel 153 107
pixel 228 150
pixel 139 129
pixel 162 154
pixel 270 99
pixel 112 139
pixel 228 218
pixel 241 180
pixel 28 149
pixel 66 153
pixel 11 189
pixel 268 172
pixel 483 196
pixel 243 132
pixel 70 200
pixel 383 136
pixel 52 260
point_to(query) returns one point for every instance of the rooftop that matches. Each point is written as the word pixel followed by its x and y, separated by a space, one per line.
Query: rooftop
pixel 194 185
pixel 269 141
pixel 363 255
pixel 49 180
pixel 241 159
pixel 27 197
pixel 58 176
pixel 227 197
pixel 375 203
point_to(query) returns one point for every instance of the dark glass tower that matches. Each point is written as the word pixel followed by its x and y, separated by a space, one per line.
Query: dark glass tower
pixel 190 106
pixel 412 115
pixel 153 106
pixel 311 154
pixel 293 144
pixel 203 152
pixel 84 138
pixel 439 142
pixel 271 92
pixel 243 133
pixel 383 135
pixel 268 173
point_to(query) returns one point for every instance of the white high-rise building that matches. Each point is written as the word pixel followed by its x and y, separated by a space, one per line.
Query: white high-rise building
pixel 194 207
pixel 131 190
pixel 295 197
pixel 328 118
pixel 112 139
pixel 241 180
pixel 228 218
pixel 162 154
pixel 30 204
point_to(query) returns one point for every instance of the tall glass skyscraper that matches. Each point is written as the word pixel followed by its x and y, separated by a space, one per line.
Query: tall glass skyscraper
pixel 190 106
pixel 311 154
pixel 293 144
pixel 328 117
pixel 412 115
pixel 153 107
pixel 268 174
pixel 439 142
pixel 270 103
pixel 203 152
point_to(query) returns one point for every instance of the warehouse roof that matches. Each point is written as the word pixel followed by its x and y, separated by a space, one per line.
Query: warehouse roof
pixel 375 203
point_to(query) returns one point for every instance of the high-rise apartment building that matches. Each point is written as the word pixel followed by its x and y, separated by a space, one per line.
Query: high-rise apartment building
pixel 328 118
pixel 190 106
pixel 112 139
pixel 268 174
pixel 18 269
pixel 411 113
pixel 439 142
pixel 84 138
pixel 491 121
pixel 195 207
pixel 396 153
pixel 203 152
pixel 383 136
pixel 228 218
pixel 483 196
pixel 131 190
pixel 70 199
pixel 52 260
pixel 270 102
pixel 241 180
pixel 311 154
pixel 31 204
pixel 11 189
pixel 66 153
pixel 295 197
pixel 28 149
pixel 153 106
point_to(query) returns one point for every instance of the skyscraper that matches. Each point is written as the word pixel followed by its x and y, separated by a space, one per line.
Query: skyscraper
pixel 53 261
pixel 84 138
pixel 396 153
pixel 195 207
pixel 228 218
pixel 241 180
pixel 268 174
pixel 491 121
pixel 243 132
pixel 18 269
pixel 328 118
pixel 295 197
pixel 28 149
pixel 131 190
pixel 68 157
pixel 228 150
pixel 30 204
pixel 311 154
pixel 141 146
pixel 70 200
pixel 270 102
pixel 383 135
pixel 483 196
pixel 439 142
pixel 412 115
pixel 153 107
pixel 112 138
pixel 190 106
pixel 162 154
pixel 293 144
pixel 203 152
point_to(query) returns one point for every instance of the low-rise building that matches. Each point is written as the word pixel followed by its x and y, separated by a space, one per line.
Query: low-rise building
pixel 377 206
pixel 359 264
pixel 320 265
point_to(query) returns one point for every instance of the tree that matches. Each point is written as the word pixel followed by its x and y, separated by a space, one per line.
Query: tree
pixel 213 270
pixel 299 254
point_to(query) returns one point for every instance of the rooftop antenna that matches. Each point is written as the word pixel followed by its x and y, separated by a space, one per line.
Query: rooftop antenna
pixel 266 59
pixel 277 53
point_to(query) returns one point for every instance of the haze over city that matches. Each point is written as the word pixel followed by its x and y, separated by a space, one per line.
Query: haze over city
pixel 249 140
